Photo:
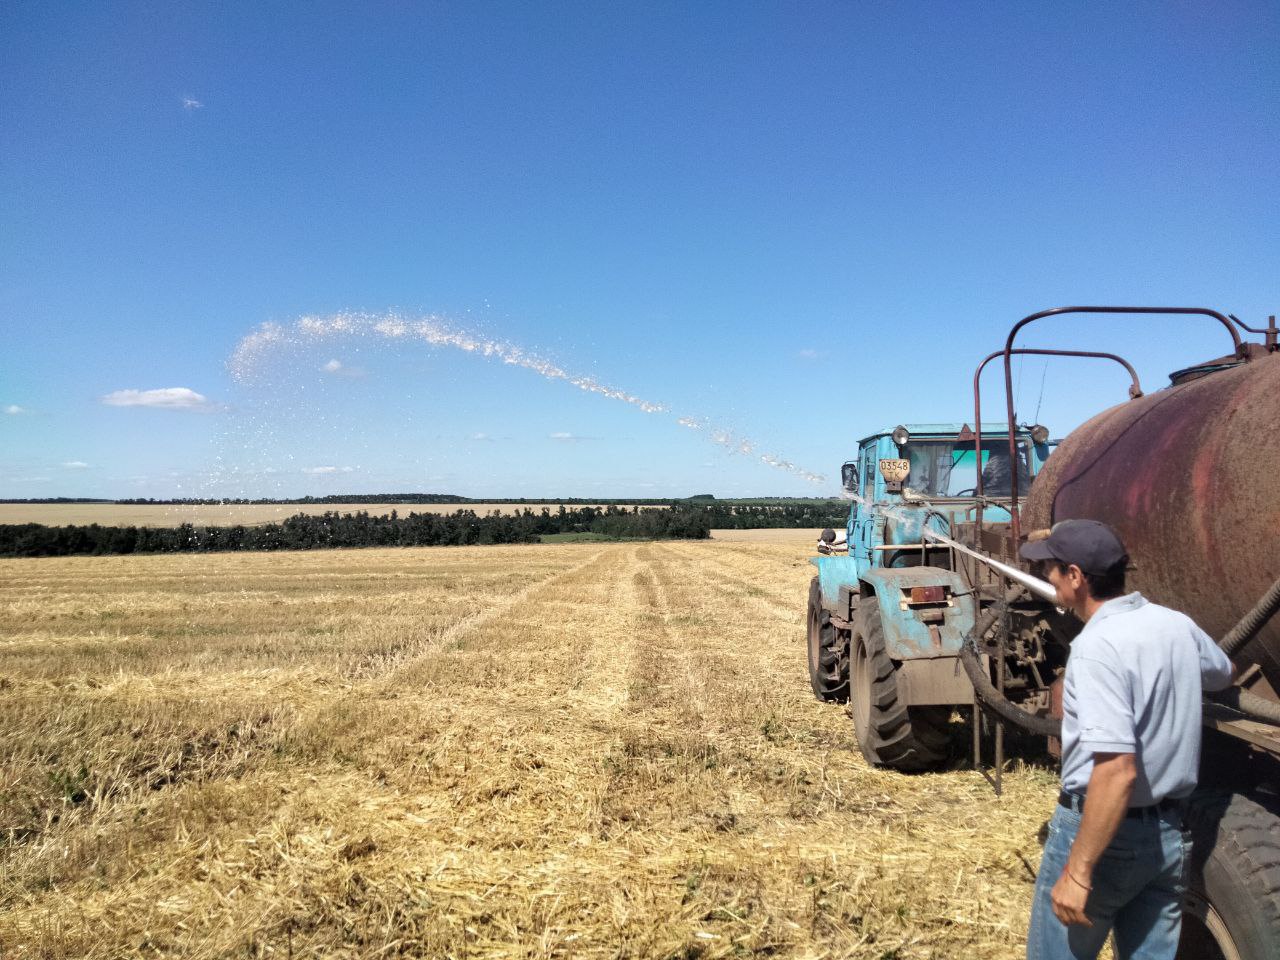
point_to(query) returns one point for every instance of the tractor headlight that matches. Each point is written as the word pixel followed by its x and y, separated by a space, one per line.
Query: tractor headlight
pixel 1039 434
pixel 901 435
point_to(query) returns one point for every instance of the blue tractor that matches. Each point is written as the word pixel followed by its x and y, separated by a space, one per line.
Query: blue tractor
pixel 893 602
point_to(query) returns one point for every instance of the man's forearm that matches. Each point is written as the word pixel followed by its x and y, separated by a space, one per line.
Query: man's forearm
pixel 1106 802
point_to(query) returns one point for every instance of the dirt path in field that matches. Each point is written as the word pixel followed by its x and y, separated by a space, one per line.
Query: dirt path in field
pixel 578 751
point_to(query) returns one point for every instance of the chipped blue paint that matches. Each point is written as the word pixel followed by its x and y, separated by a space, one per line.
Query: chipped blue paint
pixel 835 572
pixel 906 635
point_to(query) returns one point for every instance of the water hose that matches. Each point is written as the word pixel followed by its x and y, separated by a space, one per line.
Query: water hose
pixel 1252 622
pixel 1248 704
pixel 1252 706
pixel 985 689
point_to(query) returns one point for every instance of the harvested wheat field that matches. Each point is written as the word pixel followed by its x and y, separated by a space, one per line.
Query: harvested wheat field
pixel 806 538
pixel 579 750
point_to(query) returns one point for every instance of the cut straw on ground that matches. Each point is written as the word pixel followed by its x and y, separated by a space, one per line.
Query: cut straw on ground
pixel 578 750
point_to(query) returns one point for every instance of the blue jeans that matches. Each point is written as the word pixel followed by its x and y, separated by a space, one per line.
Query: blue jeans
pixel 1138 885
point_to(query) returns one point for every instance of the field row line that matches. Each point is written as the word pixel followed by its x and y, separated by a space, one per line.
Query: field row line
pixel 384 666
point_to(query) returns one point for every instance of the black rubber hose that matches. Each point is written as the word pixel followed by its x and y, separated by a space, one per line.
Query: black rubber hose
pixel 986 691
pixel 1242 701
pixel 1252 622
pixel 1250 704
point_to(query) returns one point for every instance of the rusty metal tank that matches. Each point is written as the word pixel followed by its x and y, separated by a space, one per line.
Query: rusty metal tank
pixel 1190 477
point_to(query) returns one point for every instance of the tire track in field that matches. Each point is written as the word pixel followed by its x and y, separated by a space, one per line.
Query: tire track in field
pixel 742 589
pixel 759 568
pixel 764 558
pixel 663 747
pixel 383 666
pixel 763 571
pixel 511 701
pixel 729 615
pixel 392 672
pixel 513 736
pixel 738 650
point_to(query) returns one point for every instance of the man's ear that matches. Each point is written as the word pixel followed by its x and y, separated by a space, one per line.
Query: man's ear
pixel 1076 576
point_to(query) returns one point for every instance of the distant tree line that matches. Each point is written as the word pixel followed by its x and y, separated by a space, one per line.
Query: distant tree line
pixel 331 530
pixel 728 515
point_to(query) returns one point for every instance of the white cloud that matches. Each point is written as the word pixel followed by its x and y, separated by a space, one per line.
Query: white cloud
pixel 482 436
pixel 569 437
pixel 167 398
pixel 189 103
pixel 316 471
pixel 14 410
pixel 76 465
pixel 808 353
pixel 337 368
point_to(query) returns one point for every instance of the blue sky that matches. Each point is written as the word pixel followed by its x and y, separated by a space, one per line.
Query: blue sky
pixel 793 223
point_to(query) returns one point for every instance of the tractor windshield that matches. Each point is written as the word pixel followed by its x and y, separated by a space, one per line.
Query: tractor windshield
pixel 947 468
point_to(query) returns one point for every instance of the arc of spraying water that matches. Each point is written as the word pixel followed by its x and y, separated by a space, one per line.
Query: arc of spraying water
pixel 436 331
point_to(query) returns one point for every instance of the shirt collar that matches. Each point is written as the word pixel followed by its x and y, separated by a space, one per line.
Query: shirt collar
pixel 1125 604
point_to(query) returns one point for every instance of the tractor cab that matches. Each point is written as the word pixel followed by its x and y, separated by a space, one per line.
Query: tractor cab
pixel 940 461
pixel 933 475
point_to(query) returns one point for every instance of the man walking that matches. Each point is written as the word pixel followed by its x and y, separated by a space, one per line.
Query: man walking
pixel 1116 856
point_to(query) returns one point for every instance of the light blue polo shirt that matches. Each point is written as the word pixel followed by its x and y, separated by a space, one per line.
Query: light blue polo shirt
pixel 1133 685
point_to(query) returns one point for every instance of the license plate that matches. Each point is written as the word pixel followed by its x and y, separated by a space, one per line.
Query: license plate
pixel 895 471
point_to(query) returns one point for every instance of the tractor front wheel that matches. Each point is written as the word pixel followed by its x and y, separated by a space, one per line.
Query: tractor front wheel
pixel 890 733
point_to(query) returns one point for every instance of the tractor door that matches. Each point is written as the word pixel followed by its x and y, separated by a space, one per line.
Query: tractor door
pixel 862 523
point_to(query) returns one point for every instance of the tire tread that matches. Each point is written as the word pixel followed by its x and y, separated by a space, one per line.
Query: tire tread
pixel 829 670
pixel 1236 836
pixel 905 738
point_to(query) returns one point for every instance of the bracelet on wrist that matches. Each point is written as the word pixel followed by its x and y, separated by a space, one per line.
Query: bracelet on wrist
pixel 1073 879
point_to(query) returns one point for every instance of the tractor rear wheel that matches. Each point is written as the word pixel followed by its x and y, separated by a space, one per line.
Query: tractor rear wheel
pixel 828 652
pixel 1232 909
pixel 890 733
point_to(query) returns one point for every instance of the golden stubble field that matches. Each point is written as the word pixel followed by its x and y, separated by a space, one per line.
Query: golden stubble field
pixel 578 750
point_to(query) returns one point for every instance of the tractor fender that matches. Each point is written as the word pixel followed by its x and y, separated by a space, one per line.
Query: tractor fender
pixel 835 572
pixel 914 632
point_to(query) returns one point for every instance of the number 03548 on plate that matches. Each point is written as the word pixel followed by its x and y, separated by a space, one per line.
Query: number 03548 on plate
pixel 895 471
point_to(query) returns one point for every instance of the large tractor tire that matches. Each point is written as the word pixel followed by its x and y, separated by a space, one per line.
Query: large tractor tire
pixel 890 733
pixel 828 652
pixel 1232 909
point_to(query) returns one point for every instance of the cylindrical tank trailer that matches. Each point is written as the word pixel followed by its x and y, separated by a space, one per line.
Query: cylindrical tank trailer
pixel 1190 478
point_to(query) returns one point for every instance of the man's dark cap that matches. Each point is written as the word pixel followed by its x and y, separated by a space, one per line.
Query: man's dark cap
pixel 1090 544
